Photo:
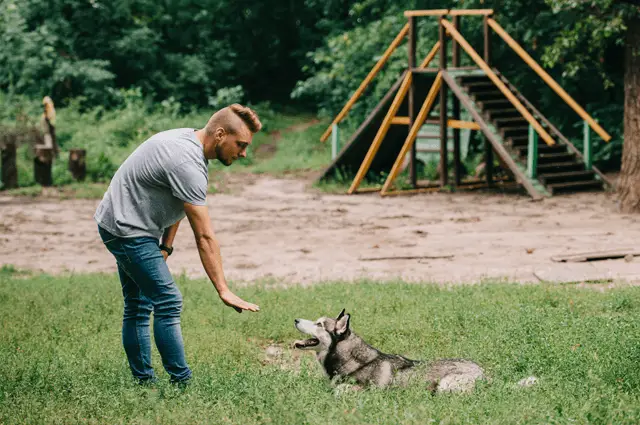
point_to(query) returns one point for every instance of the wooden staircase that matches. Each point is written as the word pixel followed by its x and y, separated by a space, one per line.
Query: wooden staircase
pixel 560 168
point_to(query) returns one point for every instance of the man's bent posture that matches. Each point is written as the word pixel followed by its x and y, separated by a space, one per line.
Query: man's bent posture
pixel 163 180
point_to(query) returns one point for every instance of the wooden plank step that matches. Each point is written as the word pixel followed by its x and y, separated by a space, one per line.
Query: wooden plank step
pixel 502 122
pixel 502 113
pixel 481 96
pixel 542 148
pixel 518 141
pixel 494 104
pixel 566 176
pixel 574 186
pixel 559 167
pixel 512 131
pixel 544 158
pixel 465 79
pixel 479 83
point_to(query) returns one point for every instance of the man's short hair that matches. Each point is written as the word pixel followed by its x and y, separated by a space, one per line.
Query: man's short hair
pixel 228 118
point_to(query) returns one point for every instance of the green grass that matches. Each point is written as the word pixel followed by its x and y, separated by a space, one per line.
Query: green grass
pixel 61 361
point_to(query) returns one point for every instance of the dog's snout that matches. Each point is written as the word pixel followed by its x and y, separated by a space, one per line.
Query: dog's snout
pixel 297 321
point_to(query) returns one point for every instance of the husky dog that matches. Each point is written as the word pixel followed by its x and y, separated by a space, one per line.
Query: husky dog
pixel 344 355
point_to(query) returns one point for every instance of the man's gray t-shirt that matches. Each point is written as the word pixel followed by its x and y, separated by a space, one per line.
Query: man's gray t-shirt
pixel 147 193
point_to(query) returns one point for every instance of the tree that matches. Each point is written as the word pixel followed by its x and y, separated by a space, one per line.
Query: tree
pixel 629 184
pixel 597 24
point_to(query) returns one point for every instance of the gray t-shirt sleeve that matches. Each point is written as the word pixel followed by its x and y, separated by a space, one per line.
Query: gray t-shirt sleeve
pixel 188 183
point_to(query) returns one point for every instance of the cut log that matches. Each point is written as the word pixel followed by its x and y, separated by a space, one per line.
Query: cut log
pixel 9 167
pixel 42 164
pixel 77 163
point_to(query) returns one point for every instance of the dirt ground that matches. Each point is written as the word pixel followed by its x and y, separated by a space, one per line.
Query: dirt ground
pixel 283 231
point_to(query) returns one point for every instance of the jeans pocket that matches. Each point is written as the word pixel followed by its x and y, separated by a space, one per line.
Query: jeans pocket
pixel 106 236
pixel 108 241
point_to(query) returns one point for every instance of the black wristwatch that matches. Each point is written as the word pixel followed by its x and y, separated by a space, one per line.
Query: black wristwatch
pixel 167 249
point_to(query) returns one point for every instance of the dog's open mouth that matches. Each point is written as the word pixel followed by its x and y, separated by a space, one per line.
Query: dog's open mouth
pixel 306 343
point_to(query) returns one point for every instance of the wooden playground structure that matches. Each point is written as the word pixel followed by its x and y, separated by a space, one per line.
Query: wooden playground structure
pixel 534 152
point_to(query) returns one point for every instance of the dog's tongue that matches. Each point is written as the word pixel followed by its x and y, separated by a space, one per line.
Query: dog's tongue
pixel 303 343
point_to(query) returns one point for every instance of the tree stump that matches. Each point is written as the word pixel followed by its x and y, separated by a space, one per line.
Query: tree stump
pixel 77 164
pixel 42 164
pixel 9 167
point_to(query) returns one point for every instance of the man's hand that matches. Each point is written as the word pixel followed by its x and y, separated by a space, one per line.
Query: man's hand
pixel 232 300
pixel 164 254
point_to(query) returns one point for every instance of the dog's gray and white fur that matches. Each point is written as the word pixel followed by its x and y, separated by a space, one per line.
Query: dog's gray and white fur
pixel 344 355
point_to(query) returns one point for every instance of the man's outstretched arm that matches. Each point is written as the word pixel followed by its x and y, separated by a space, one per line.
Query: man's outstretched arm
pixel 209 251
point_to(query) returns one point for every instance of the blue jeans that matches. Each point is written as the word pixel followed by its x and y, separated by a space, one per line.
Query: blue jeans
pixel 147 286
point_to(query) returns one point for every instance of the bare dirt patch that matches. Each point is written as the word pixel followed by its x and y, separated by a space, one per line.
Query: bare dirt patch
pixel 280 230
pixel 266 150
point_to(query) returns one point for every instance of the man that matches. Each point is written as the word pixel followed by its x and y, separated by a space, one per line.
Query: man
pixel 163 180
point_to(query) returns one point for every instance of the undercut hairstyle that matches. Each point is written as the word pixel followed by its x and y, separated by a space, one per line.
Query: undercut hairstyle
pixel 231 117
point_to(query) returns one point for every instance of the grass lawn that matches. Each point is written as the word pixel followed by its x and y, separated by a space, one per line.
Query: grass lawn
pixel 61 360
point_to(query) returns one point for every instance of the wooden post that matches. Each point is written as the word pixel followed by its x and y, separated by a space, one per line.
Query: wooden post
pixel 587 146
pixel 9 167
pixel 42 164
pixel 488 161
pixel 44 153
pixel 78 164
pixel 443 107
pixel 413 175
pixel 487 40
pixel 455 59
pixel 455 47
pixel 413 132
pixel 488 153
pixel 488 150
pixel 532 154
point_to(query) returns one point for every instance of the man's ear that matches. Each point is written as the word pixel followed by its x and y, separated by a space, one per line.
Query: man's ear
pixel 219 134
pixel 342 326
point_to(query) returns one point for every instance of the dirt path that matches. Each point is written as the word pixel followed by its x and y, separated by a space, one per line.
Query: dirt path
pixel 279 229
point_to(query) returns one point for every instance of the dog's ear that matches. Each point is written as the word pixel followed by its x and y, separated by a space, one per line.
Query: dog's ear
pixel 342 325
pixel 340 315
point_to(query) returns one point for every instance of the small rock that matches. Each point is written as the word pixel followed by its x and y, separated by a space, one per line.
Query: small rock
pixel 528 382
pixel 273 351
pixel 628 258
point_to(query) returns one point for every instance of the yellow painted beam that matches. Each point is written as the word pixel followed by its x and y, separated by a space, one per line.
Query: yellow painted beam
pixel 469 12
pixel 501 86
pixel 547 79
pixel 463 124
pixel 394 44
pixel 431 55
pixel 422 115
pixel 382 131
pixel 432 12
pixel 400 120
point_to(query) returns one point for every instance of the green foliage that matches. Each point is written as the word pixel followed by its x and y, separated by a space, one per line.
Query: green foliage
pixel 580 343
pixel 185 49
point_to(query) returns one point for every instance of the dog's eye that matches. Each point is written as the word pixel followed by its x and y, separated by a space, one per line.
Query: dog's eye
pixel 320 324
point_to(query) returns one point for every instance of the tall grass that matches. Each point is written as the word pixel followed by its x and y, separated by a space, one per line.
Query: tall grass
pixel 109 136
